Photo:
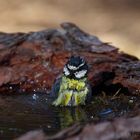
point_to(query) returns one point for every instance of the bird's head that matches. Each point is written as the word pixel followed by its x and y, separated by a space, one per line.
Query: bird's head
pixel 76 68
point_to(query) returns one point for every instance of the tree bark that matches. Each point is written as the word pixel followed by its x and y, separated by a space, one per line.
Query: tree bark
pixel 32 61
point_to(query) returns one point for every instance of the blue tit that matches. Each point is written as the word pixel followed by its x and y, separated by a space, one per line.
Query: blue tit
pixel 72 89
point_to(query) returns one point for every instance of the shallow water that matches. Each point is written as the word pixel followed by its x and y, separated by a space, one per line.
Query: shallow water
pixel 22 113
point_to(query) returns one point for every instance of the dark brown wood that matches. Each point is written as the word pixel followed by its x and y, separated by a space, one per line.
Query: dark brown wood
pixel 32 61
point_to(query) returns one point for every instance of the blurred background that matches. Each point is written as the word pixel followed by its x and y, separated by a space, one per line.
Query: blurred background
pixel 114 21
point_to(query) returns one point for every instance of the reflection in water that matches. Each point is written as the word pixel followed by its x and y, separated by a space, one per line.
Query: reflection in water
pixel 19 114
pixel 69 116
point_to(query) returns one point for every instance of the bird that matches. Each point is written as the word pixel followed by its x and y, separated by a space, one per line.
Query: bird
pixel 72 88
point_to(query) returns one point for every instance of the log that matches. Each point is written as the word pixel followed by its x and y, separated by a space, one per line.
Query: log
pixel 32 61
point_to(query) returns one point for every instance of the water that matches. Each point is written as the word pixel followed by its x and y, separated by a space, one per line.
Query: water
pixel 22 113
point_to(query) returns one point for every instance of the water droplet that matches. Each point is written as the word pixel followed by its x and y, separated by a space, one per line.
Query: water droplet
pixel 131 101
pixel 10 87
pixel 34 96
pixel 49 126
pixel 91 117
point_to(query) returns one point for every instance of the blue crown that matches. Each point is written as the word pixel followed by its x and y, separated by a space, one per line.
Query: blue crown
pixel 76 68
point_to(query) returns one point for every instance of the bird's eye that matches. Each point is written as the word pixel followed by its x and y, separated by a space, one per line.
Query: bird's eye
pixel 80 74
pixel 66 71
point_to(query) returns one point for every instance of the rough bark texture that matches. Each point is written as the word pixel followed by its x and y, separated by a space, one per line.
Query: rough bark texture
pixel 32 61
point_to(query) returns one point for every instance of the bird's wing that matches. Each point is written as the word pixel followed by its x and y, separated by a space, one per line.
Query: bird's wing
pixel 55 88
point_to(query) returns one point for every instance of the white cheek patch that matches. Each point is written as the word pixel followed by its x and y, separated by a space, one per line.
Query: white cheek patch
pixel 80 74
pixel 66 71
